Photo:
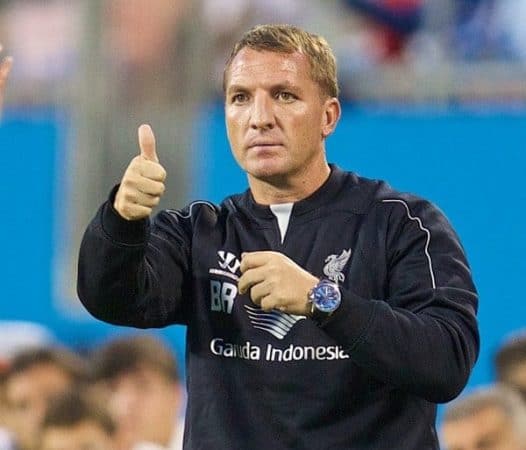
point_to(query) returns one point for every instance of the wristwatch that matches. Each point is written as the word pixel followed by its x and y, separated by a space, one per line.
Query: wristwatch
pixel 325 298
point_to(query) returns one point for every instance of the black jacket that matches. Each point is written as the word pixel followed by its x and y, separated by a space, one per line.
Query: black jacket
pixel 404 338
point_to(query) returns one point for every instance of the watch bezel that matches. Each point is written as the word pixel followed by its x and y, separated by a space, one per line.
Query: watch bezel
pixel 319 300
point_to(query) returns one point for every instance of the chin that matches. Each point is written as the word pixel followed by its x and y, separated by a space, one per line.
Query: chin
pixel 266 168
pixel 266 174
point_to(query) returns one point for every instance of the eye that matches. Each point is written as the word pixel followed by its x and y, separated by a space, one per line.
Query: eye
pixel 240 97
pixel 285 96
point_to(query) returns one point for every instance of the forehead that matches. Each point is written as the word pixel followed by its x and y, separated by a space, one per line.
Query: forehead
pixel 488 421
pixel 37 378
pixel 265 67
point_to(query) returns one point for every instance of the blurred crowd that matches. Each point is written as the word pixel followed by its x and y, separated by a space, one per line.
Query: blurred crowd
pixel 166 49
pixel 126 394
pixel 492 417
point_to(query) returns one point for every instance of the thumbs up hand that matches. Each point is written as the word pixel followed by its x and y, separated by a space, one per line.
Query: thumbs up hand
pixel 143 182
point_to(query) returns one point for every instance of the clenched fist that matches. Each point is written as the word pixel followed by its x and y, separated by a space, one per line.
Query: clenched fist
pixel 143 182
pixel 274 281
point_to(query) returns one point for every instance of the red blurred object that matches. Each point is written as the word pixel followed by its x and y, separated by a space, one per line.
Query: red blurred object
pixel 391 22
pixel 402 4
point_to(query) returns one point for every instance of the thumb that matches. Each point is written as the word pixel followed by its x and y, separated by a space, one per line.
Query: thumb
pixel 147 143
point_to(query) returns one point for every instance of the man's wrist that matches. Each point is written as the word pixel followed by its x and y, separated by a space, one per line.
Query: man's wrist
pixel 324 299
pixel 118 228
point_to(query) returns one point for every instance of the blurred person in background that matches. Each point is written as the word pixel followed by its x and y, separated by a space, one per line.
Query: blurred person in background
pixel 34 377
pixel 226 21
pixel 145 394
pixel 44 39
pixel 375 41
pixel 17 336
pixel 474 34
pixel 490 418
pixel 144 64
pixel 489 30
pixel 511 16
pixel 75 421
pixel 5 68
pixel 141 36
pixel 297 336
pixel 389 24
pixel 510 363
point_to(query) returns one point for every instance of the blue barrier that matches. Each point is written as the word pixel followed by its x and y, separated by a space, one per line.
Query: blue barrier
pixel 470 163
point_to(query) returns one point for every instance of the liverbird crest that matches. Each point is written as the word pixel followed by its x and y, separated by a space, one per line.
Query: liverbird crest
pixel 335 264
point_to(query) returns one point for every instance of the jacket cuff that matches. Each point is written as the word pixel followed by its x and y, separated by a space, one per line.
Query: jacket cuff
pixel 129 232
pixel 352 319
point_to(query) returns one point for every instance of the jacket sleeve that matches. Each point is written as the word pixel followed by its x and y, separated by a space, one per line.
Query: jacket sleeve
pixel 135 273
pixel 423 336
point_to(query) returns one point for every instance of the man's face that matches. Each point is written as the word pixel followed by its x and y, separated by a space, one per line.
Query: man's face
pixel 27 395
pixel 86 435
pixel 145 405
pixel 276 116
pixel 489 429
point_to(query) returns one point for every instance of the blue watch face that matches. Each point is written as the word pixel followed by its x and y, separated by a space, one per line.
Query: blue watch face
pixel 326 296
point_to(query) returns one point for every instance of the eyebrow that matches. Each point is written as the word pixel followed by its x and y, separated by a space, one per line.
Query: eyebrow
pixel 236 88
pixel 275 87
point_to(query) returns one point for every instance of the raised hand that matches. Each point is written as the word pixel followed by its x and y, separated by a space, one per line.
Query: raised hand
pixel 142 185
pixel 275 282
pixel 5 68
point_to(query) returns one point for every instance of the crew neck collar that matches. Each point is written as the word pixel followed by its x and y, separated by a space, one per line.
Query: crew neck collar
pixel 317 199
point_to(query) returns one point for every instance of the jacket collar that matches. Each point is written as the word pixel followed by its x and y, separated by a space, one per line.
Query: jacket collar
pixel 314 201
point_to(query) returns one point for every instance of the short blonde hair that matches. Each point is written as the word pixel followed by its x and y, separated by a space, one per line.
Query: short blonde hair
pixel 291 39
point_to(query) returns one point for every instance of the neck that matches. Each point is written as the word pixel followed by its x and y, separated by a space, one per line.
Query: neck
pixel 290 188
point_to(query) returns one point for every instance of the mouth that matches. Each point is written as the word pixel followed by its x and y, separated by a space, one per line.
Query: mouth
pixel 264 145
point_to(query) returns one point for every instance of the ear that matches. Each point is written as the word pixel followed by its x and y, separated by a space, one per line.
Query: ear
pixel 331 115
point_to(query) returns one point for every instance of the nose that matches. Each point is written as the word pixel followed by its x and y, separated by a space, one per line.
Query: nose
pixel 262 114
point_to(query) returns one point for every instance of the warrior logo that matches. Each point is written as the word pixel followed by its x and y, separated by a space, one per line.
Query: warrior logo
pixel 228 261
pixel 223 293
pixel 335 264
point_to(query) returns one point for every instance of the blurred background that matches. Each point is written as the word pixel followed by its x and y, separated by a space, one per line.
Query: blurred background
pixel 434 100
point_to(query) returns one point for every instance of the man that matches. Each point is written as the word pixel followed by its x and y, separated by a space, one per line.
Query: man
pixel 510 363
pixel 488 419
pixel 74 421
pixel 5 68
pixel 34 377
pixel 145 395
pixel 17 336
pixel 324 310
